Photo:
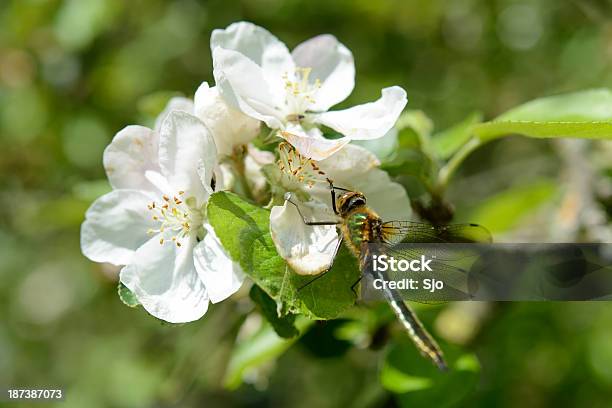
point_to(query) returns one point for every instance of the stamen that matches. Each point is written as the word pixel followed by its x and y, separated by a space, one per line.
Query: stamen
pixel 174 216
pixel 300 93
pixel 297 167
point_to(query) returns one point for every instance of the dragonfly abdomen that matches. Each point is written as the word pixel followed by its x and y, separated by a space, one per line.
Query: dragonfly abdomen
pixel 421 338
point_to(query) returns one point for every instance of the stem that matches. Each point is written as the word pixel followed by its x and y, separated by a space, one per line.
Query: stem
pixel 451 166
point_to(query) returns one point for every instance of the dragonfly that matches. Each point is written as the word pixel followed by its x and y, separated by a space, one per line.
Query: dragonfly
pixel 359 225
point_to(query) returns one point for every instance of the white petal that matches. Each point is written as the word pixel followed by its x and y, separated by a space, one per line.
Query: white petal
pixel 129 156
pixel 186 147
pixel 164 280
pixel 177 103
pixel 243 85
pixel 355 168
pixel 115 226
pixel 386 197
pixel 370 120
pixel 312 144
pixel 229 127
pixel 384 147
pixel 309 250
pixel 261 47
pixel 221 276
pixel 332 64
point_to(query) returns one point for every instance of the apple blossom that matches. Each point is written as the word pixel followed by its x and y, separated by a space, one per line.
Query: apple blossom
pixel 292 92
pixel 154 220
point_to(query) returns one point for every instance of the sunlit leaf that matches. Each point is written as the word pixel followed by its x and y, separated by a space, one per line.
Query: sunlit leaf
pixel 244 231
pixel 584 106
pixel 584 130
pixel 586 114
pixel 264 345
pixel 447 142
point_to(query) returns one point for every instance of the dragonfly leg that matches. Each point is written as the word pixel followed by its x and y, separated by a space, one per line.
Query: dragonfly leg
pixel 289 198
pixel 328 268
pixel 355 284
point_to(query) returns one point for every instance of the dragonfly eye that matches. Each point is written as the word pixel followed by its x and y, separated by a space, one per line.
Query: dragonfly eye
pixel 357 201
pixel 351 200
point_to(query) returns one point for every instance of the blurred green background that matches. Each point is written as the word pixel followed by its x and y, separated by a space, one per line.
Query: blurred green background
pixel 74 72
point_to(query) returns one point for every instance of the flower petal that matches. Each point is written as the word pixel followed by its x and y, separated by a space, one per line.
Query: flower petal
pixel 221 276
pixel 311 143
pixel 177 103
pixel 332 64
pixel 228 126
pixel 129 156
pixel 115 226
pixel 355 168
pixel 164 280
pixel 243 85
pixel 261 47
pixel 370 120
pixel 309 250
pixel 185 149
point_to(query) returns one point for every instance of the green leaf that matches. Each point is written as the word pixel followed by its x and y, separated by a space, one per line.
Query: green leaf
pixel 417 382
pixel 126 296
pixel 416 120
pixel 504 211
pixel 264 345
pixel 285 325
pixel 244 231
pixel 583 130
pixel 585 106
pixel 447 142
pixel 585 114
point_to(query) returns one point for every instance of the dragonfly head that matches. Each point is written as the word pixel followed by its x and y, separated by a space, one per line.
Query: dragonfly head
pixel 348 201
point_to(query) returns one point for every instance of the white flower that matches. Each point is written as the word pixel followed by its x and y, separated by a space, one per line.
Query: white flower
pixel 309 250
pixel 292 92
pixel 229 127
pixel 154 221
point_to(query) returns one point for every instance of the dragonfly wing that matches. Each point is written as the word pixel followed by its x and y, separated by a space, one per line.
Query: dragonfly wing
pixel 396 232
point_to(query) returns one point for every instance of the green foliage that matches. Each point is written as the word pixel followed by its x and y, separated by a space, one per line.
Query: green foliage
pixel 262 346
pixel 244 231
pixel 75 72
pixel 418 383
pixel 505 210
pixel 449 141
pixel 587 130
pixel 283 325
pixel 586 114
pixel 583 106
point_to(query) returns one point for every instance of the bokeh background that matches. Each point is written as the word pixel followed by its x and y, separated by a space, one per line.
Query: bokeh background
pixel 74 72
